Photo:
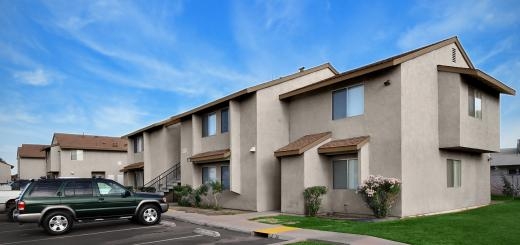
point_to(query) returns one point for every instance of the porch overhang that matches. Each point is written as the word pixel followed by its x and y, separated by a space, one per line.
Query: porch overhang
pixel 133 166
pixel 343 146
pixel 211 156
pixel 302 144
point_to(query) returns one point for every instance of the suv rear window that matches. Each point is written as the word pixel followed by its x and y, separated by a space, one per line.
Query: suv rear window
pixel 79 188
pixel 45 189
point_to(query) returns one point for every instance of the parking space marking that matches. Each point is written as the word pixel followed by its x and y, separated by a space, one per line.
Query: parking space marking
pixel 166 240
pixel 78 235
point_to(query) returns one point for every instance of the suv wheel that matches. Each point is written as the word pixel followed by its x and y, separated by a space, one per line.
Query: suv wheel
pixel 149 214
pixel 57 223
pixel 10 212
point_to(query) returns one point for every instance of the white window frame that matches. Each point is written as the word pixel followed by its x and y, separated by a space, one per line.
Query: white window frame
pixel 347 177
pixel 456 170
pixel 79 157
pixel 346 101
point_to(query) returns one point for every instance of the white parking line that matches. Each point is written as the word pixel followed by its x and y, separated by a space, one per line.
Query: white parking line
pixel 171 239
pixel 88 234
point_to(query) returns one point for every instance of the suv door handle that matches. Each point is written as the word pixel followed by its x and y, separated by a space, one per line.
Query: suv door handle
pixel 101 199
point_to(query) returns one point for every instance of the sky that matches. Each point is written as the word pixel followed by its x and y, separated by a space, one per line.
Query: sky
pixel 111 67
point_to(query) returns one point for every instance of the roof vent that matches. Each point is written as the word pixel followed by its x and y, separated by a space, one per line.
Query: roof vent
pixel 301 68
pixel 454 55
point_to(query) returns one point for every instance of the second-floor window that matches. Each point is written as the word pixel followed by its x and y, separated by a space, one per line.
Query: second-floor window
pixel 76 155
pixel 138 144
pixel 475 102
pixel 224 120
pixel 348 102
pixel 209 124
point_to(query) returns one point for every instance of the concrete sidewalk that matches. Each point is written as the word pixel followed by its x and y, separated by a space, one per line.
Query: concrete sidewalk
pixel 241 223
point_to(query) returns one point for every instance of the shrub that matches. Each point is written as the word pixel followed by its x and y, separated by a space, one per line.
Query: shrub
pixel 216 190
pixel 312 197
pixel 509 189
pixel 380 193
pixel 184 195
pixel 198 193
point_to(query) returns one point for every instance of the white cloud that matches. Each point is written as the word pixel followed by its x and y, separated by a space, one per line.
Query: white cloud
pixel 37 77
pixel 450 18
pixel 116 116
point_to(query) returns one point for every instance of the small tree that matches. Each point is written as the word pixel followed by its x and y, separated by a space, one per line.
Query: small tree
pixel 216 190
pixel 312 197
pixel 380 193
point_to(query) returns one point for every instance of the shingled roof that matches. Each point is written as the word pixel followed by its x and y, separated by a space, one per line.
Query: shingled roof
pixel 31 151
pixel 211 156
pixel 343 145
pixel 89 142
pixel 302 144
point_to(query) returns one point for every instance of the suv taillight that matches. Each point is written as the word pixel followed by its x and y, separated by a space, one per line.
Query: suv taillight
pixel 21 205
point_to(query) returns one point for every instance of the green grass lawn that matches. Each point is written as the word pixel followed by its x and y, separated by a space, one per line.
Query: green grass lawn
pixel 494 224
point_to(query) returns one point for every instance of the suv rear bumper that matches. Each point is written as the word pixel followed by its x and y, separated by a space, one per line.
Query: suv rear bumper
pixel 26 218
pixel 164 207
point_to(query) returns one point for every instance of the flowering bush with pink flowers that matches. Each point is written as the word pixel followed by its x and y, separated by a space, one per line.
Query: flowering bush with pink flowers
pixel 380 193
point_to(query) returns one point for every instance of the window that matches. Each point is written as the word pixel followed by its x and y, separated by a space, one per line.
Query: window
pixel 224 177
pixel 209 174
pixel 512 171
pixel 45 189
pixel 224 120
pixel 348 102
pixel 209 124
pixel 138 144
pixel 79 188
pixel 98 174
pixel 454 173
pixel 345 174
pixel 475 102
pixel 110 188
pixel 76 155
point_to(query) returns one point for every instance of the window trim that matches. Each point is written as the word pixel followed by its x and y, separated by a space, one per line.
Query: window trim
pixel 205 126
pixel 138 148
pixel 202 172
pixel 346 88
pixel 348 163
pixel 82 155
pixel 473 95
pixel 456 184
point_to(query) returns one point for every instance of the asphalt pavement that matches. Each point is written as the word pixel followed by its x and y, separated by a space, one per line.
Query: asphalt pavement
pixel 125 232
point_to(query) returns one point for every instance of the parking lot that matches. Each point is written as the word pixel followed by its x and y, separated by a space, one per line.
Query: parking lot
pixel 125 232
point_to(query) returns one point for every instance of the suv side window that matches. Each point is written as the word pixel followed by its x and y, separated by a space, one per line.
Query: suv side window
pixel 107 188
pixel 45 189
pixel 79 188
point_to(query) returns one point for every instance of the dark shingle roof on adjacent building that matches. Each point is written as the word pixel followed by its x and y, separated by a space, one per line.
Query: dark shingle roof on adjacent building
pixel 31 151
pixel 506 157
pixel 89 142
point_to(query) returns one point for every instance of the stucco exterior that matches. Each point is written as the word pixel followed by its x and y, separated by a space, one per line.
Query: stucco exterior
pixel 31 168
pixel 5 172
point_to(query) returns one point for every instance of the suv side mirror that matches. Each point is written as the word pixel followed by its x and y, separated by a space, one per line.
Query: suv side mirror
pixel 126 194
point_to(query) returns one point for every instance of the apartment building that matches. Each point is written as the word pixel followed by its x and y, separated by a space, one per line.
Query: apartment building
pixel 85 156
pixel 505 164
pixel 31 161
pixel 427 117
pixel 5 171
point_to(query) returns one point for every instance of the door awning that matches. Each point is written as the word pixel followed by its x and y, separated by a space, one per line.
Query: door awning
pixel 342 146
pixel 133 166
pixel 211 156
pixel 302 144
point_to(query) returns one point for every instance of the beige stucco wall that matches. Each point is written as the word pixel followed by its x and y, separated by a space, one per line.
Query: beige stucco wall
pixel 456 127
pixel 31 168
pixel 5 173
pixel 53 159
pixel 109 162
pixel 161 150
pixel 426 193
pixel 381 121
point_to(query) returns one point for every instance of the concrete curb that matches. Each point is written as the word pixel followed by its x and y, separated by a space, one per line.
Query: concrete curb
pixel 220 226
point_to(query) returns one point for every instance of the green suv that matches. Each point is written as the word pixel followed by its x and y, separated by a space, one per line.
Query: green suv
pixel 56 204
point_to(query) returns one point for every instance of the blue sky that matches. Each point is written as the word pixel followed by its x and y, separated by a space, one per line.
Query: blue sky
pixel 108 68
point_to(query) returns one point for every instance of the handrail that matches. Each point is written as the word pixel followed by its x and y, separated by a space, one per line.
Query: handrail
pixel 172 173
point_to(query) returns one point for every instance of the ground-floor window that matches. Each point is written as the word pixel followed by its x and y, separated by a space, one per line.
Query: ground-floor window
pixel 224 177
pixel 454 173
pixel 209 174
pixel 345 174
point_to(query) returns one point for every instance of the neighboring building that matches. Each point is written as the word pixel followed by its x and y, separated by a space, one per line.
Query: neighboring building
pixel 31 161
pixel 5 172
pixel 505 164
pixel 426 117
pixel 85 156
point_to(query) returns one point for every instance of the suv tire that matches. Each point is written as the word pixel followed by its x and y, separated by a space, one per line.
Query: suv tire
pixel 10 212
pixel 149 214
pixel 57 222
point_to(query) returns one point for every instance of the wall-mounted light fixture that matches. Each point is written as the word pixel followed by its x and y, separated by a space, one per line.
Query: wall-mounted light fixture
pixel 252 149
pixel 387 83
